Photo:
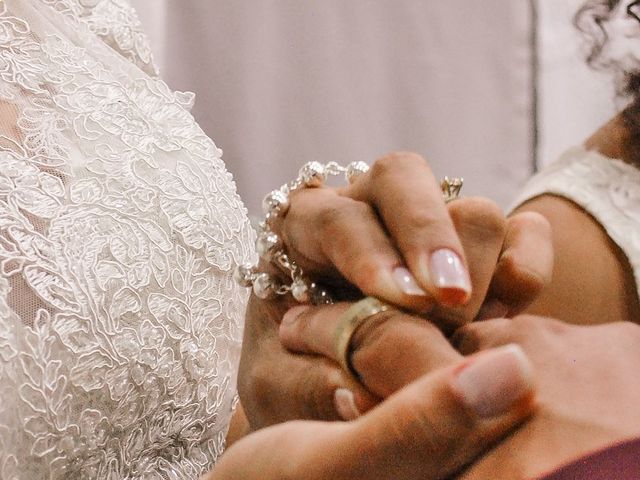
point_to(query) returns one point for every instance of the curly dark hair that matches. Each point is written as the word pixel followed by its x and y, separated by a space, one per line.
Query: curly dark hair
pixel 590 20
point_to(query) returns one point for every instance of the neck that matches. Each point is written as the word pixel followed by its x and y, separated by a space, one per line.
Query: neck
pixel 616 140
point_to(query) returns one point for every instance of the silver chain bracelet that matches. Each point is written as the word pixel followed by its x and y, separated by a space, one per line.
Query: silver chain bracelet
pixel 270 247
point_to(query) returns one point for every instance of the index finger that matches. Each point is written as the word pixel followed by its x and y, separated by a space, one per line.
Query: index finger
pixel 409 201
pixel 388 351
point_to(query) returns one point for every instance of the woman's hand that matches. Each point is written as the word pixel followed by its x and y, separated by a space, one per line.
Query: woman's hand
pixel 429 430
pixel 391 235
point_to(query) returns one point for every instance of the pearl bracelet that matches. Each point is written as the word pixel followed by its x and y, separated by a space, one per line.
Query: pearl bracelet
pixel 270 247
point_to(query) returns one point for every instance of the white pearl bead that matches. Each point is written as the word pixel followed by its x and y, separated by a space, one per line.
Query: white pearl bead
pixel 355 169
pixel 263 286
pixel 300 290
pixel 267 244
pixel 276 202
pixel 243 274
pixel 313 174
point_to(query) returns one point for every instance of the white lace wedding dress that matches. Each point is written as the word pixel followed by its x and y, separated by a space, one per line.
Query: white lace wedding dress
pixel 120 325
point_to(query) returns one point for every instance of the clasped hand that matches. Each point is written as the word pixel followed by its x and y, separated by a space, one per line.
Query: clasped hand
pixel 356 239
pixel 440 410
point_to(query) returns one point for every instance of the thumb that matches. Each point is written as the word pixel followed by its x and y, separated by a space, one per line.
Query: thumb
pixel 525 266
pixel 442 422
pixel 429 430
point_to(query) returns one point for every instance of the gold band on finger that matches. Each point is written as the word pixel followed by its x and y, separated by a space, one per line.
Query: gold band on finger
pixel 349 322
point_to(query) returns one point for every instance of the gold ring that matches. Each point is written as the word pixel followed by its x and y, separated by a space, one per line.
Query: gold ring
pixel 349 322
pixel 451 188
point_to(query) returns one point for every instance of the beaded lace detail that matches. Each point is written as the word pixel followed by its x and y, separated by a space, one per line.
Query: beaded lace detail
pixel 608 189
pixel 120 324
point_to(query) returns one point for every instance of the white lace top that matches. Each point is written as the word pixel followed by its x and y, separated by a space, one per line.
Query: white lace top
pixel 120 325
pixel 608 189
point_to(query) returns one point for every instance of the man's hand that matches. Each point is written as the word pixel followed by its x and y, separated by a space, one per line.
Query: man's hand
pixel 428 430
pixel 586 375
pixel 588 391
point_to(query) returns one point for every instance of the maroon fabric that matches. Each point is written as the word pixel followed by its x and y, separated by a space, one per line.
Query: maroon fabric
pixel 618 462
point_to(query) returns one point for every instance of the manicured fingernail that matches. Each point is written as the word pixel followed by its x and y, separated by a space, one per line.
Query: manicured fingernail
pixel 449 275
pixel 407 282
pixel 493 309
pixel 293 313
pixel 495 381
pixel 345 404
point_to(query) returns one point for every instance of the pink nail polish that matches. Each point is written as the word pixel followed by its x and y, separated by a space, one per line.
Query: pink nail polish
pixel 345 404
pixel 492 383
pixel 407 282
pixel 449 275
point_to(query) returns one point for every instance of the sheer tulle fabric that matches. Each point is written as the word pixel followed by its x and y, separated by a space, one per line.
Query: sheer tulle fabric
pixel 120 325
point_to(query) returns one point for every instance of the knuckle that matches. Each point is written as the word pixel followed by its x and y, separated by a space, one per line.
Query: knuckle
pixel 382 167
pixel 420 428
pixel 395 161
pixel 301 203
pixel 482 335
pixel 329 217
pixel 337 218
pixel 396 349
pixel 479 216
pixel 526 323
pixel 530 220
pixel 526 326
pixel 468 338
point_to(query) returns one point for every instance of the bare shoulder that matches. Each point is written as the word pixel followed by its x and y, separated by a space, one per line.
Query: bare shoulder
pixel 592 279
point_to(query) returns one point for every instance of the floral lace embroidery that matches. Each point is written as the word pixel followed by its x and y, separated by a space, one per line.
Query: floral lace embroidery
pixel 116 23
pixel 608 189
pixel 120 325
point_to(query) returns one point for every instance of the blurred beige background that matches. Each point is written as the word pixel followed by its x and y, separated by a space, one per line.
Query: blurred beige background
pixel 486 90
